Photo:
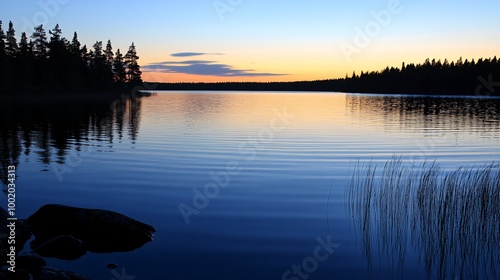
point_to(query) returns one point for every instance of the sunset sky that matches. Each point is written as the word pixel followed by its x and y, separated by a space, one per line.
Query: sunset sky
pixel 273 40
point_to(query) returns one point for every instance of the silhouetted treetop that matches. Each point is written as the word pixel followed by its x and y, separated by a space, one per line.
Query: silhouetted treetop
pixel 39 63
pixel 132 67
pixel 10 41
pixel 120 75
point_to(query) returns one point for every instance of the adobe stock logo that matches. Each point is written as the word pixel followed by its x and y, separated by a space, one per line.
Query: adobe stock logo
pixel 72 161
pixel 372 29
pixel 487 87
pixel 122 276
pixel 224 6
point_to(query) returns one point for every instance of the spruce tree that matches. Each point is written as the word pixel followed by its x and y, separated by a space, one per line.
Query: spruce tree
pixel 132 67
pixel 120 75
pixel 97 55
pixel 108 58
pixel 59 58
pixel 87 57
pixel 3 57
pixel 108 53
pixel 56 34
pixel 77 66
pixel 24 62
pixel 11 42
pixel 99 71
pixel 86 60
pixel 75 44
pixel 40 42
pixel 2 41
pixel 24 45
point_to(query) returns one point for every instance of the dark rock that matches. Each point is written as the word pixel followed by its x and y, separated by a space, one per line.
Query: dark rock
pixel 64 247
pixel 3 214
pixel 50 273
pixel 23 234
pixel 100 230
pixel 20 274
pixel 31 262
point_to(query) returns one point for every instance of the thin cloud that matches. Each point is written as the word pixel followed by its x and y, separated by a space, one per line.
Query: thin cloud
pixel 170 62
pixel 204 68
pixel 187 54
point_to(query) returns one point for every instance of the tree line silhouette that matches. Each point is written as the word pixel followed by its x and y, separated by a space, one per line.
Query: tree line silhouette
pixel 43 64
pixel 431 77
pixel 53 64
pixel 481 77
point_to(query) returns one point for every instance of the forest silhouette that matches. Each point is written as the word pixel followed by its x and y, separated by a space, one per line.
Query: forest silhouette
pixel 55 64
pixel 461 77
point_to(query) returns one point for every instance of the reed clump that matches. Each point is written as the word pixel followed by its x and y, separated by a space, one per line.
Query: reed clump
pixel 450 218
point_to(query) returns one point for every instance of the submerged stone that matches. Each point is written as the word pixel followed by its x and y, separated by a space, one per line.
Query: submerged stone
pixel 99 230
pixel 64 247
pixel 20 274
pixel 50 273
pixel 31 262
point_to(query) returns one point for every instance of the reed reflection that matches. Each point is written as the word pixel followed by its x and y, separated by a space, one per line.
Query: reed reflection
pixel 55 128
pixel 449 218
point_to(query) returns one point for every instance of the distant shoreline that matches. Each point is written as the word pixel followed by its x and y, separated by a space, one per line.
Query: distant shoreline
pixel 305 86
pixel 301 86
pixel 432 77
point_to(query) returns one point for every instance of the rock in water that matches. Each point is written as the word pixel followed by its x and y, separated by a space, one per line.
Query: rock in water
pixel 100 230
pixel 64 247
pixel 31 262
pixel 20 274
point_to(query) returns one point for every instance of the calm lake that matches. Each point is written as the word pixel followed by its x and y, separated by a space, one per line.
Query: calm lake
pixel 249 185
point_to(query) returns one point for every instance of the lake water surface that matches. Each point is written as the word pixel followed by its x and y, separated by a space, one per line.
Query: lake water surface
pixel 243 185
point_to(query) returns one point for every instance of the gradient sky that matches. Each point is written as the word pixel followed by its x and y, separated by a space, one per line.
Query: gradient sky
pixel 272 40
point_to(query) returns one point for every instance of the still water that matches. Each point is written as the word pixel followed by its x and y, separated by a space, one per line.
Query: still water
pixel 243 185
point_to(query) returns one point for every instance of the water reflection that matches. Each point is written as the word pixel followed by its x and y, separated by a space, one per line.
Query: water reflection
pixel 424 114
pixel 450 220
pixel 50 128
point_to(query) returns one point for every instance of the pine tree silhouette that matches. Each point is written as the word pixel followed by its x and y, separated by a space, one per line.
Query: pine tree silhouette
pixel 56 64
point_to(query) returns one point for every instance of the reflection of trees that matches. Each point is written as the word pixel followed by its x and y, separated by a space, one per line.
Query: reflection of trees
pixel 450 218
pixel 51 128
pixel 134 113
pixel 422 113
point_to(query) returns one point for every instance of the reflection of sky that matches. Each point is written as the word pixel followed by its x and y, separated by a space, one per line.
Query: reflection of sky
pixel 278 199
pixel 298 38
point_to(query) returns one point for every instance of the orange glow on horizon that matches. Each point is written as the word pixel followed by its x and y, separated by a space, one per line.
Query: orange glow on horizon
pixel 189 78
pixel 309 71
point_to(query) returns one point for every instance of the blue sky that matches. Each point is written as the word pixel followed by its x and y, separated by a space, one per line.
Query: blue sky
pixel 271 40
